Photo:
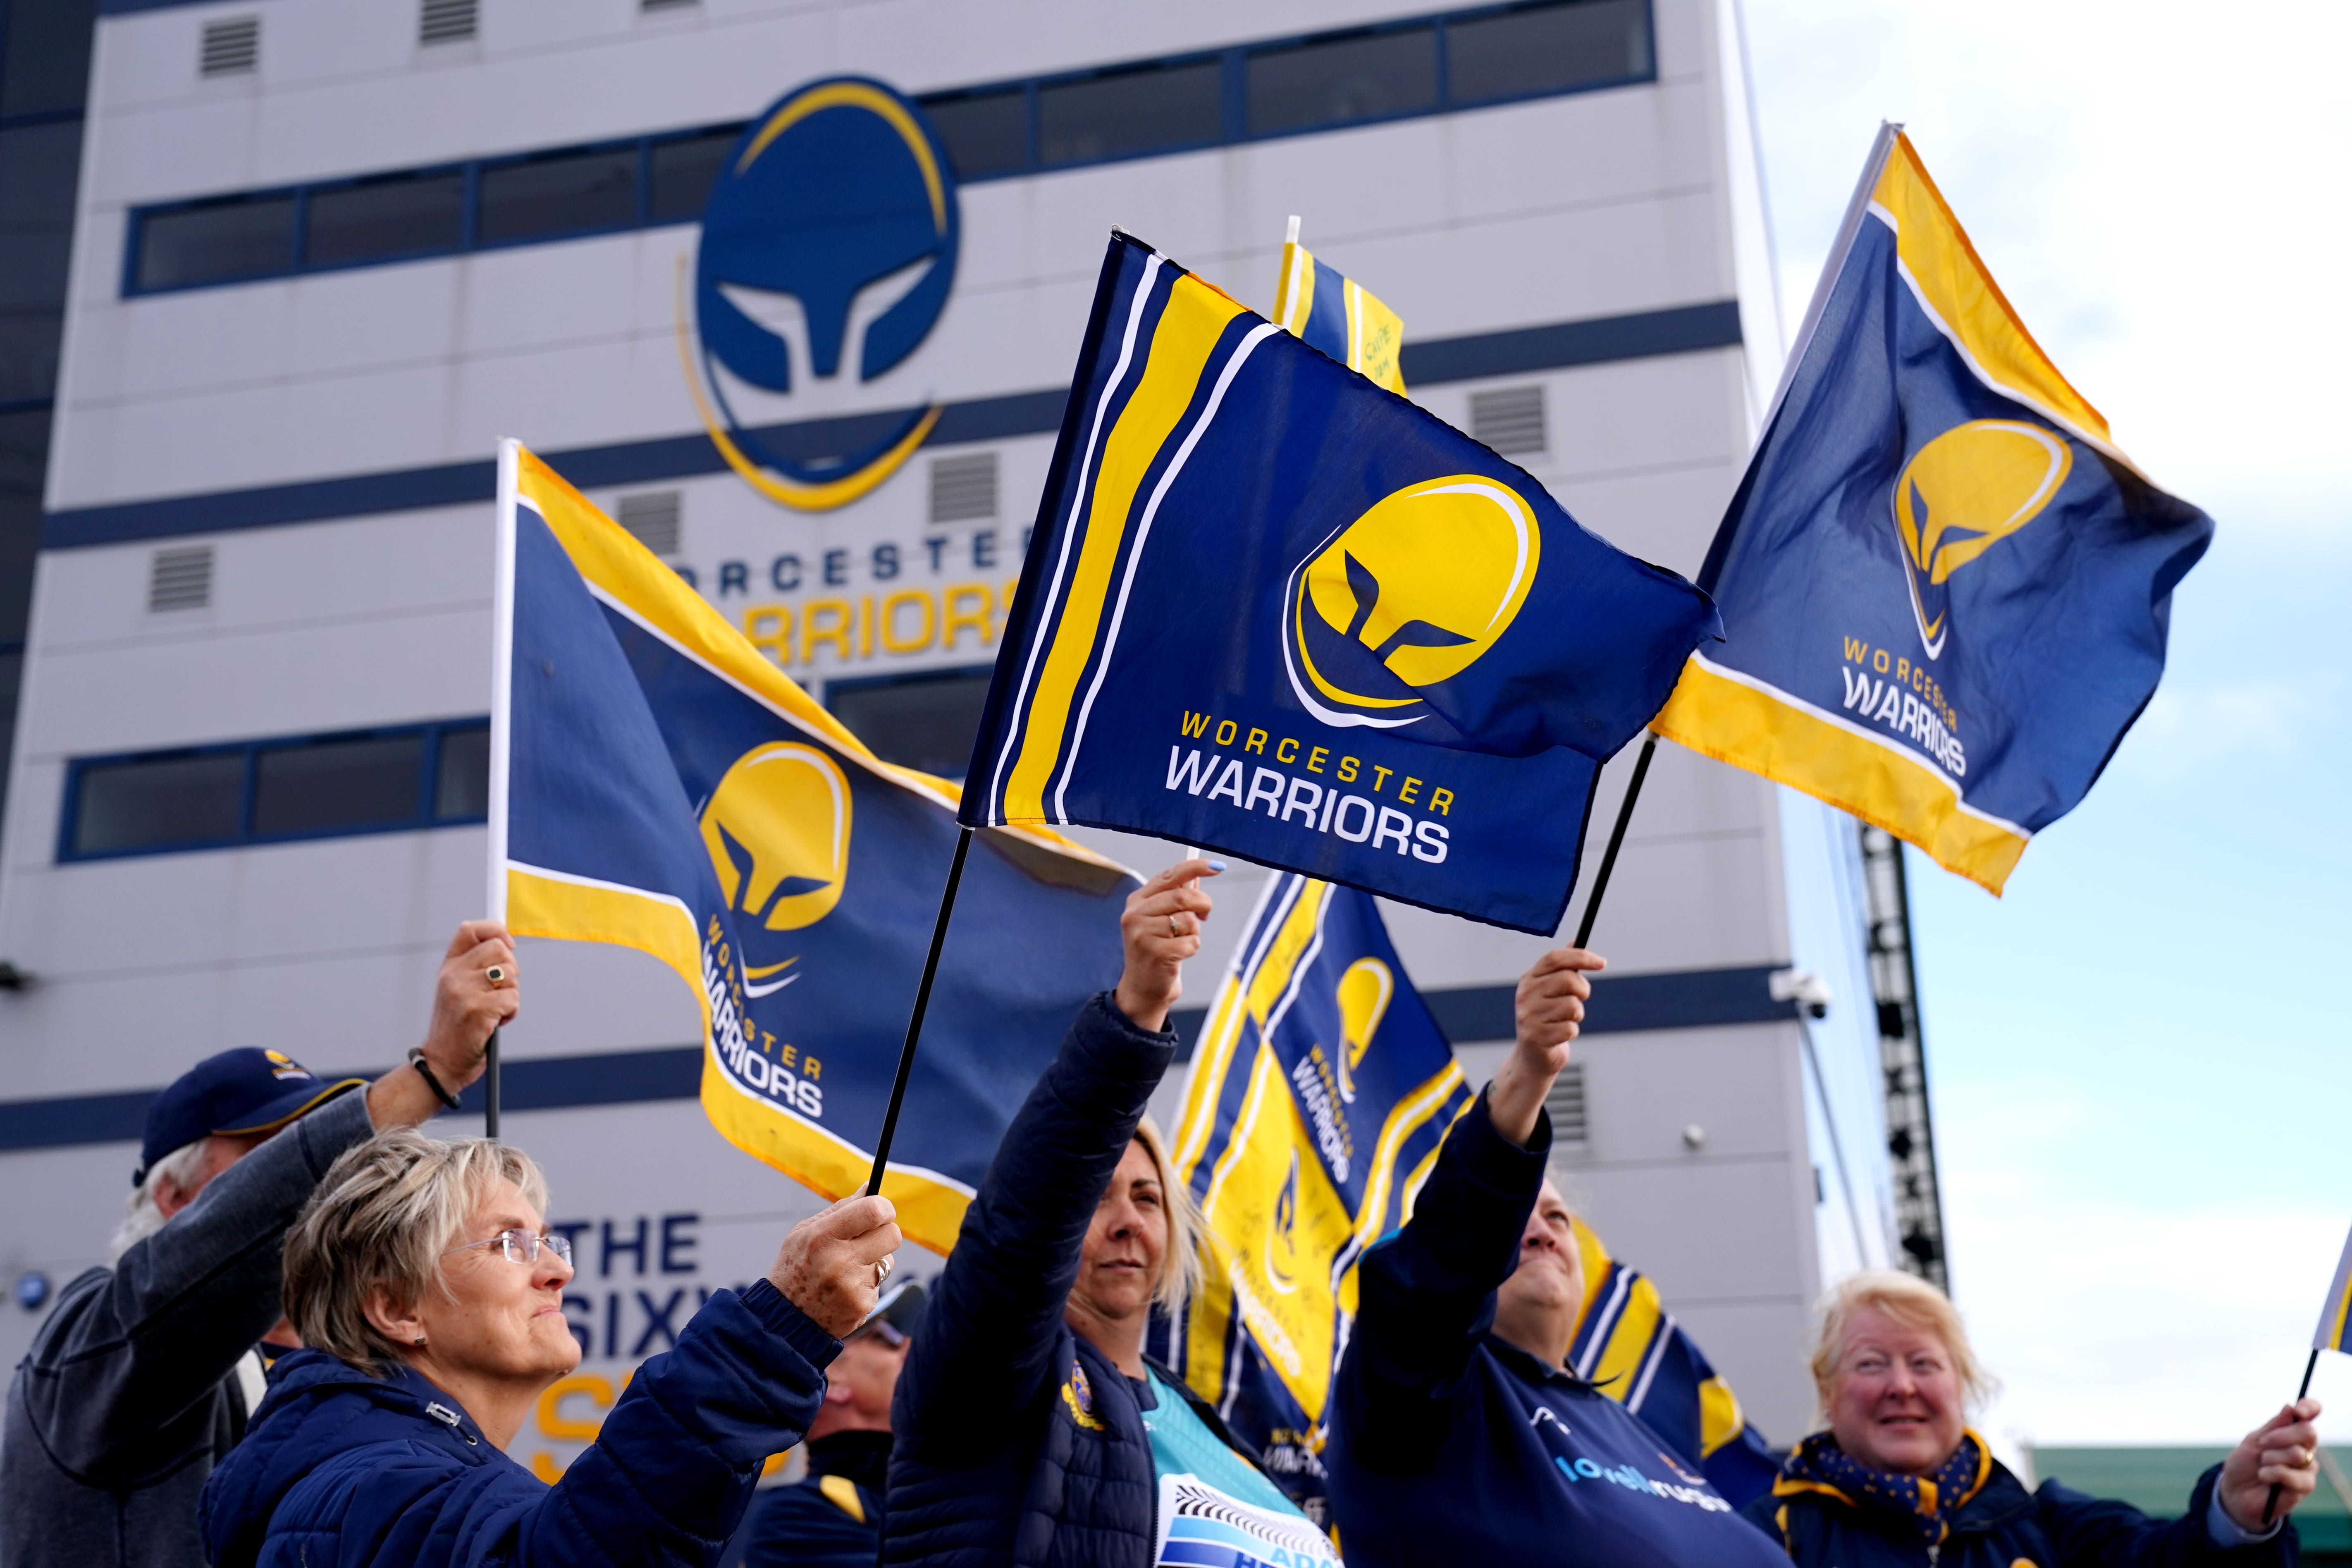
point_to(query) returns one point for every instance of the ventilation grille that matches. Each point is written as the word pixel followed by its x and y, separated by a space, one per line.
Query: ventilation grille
pixel 1509 420
pixel 652 517
pixel 180 579
pixel 1569 1125
pixel 444 21
pixel 963 488
pixel 230 47
pixel 666 5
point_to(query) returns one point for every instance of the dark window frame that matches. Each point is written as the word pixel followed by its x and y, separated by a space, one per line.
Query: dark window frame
pixel 849 685
pixel 1232 117
pixel 433 735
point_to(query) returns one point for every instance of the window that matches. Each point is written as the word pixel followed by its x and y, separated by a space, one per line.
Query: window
pixel 158 803
pixel 399 214
pixel 414 777
pixel 1334 81
pixel 447 21
pixel 38 166
pixel 963 488
pixel 1510 419
pixel 1119 113
pixel 926 720
pixel 1547 48
pixel 230 47
pixel 1426 65
pixel 653 518
pixel 326 786
pixel 45 58
pixel 180 579
pixel 684 170
pixel 244 237
pixel 559 194
pixel 985 132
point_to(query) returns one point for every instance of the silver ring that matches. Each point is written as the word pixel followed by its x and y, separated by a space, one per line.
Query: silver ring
pixel 882 1266
pixel 494 973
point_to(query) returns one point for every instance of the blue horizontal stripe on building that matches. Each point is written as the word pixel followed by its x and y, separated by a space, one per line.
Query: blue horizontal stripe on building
pixel 1685 999
pixel 1562 345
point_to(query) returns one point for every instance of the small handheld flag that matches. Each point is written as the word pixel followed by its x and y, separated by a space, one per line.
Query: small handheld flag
pixel 1945 591
pixel 2336 1316
pixel 1320 1089
pixel 1271 609
pixel 656 783
pixel 1313 302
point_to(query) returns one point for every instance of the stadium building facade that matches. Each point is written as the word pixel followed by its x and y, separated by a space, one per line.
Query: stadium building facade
pixel 329 251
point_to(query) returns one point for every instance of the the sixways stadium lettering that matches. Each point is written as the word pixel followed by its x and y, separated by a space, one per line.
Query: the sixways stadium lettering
pixel 1322 805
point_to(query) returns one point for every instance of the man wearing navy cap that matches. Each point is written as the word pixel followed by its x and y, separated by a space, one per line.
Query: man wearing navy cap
pixel 833 1518
pixel 144 1372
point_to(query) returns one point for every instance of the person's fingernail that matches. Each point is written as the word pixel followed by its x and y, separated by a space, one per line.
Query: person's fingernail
pixel 1216 865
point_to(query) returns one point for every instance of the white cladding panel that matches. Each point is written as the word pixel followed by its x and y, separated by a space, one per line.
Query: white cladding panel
pixel 1525 215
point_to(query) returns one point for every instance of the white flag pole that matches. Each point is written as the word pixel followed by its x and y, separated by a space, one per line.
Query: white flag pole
pixel 502 691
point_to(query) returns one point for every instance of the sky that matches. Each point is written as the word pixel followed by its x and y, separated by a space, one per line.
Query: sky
pixel 2138 1056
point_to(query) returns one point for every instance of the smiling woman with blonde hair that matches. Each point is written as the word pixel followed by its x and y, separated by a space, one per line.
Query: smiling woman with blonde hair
pixel 1896 1477
pixel 428 1291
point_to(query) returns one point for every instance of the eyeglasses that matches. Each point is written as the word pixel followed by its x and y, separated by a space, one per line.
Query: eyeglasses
pixel 520 1245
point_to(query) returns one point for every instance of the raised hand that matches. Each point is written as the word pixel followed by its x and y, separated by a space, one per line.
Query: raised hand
pixel 1550 1011
pixel 477 989
pixel 830 1266
pixel 1160 930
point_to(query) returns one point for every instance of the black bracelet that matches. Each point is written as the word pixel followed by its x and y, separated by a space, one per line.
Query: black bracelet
pixel 416 1060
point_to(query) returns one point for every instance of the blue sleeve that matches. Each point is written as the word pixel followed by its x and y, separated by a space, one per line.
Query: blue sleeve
pixel 2098 1532
pixel 987 1338
pixel 663 1486
pixel 1427 1293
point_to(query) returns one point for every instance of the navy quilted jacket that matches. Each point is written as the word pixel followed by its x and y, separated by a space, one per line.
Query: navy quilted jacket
pixel 341 1468
pixel 1018 1443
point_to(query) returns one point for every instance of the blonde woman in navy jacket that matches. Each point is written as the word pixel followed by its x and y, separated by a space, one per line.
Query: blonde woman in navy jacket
pixel 1897 1479
pixel 1031 1430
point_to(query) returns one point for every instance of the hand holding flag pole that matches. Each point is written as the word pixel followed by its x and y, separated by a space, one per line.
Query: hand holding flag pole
pixel 2329 1336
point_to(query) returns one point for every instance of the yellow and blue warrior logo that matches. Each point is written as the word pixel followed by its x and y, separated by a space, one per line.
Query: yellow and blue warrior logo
pixel 1965 491
pixel 1409 595
pixel 777 829
pixel 829 241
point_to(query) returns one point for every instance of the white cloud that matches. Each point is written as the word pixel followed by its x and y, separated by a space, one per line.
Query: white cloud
pixel 2186 728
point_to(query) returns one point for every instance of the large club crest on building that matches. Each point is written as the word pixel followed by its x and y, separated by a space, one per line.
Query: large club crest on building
pixel 827 252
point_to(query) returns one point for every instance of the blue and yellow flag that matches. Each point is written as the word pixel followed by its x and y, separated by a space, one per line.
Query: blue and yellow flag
pixel 658 784
pixel 1631 1348
pixel 2336 1316
pixel 1320 1089
pixel 1271 609
pixel 1944 592
pixel 1315 303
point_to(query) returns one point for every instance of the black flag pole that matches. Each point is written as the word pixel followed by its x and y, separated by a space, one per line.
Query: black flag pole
pixel 490 1088
pixel 914 1023
pixel 1616 839
pixel 2270 1506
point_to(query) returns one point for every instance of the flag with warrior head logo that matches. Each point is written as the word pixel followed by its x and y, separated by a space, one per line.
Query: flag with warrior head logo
pixel 657 784
pixel 1945 591
pixel 1272 609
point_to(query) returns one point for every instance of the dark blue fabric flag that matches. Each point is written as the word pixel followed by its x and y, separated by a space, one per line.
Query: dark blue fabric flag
pixel 1271 608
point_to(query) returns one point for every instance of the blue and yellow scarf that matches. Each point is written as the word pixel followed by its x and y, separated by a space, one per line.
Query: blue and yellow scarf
pixel 1924 1503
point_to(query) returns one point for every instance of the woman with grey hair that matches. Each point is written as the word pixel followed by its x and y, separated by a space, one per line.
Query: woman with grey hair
pixel 429 1293
pixel 1896 1477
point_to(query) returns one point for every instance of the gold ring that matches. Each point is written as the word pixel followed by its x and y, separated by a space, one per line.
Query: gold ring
pixel 1171 927
pixel 882 1266
pixel 495 974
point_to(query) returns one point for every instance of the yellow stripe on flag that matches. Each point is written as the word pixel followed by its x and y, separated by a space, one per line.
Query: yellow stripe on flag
pixel 1188 329
pixel 1628 1340
pixel 1955 283
pixel 1753 727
